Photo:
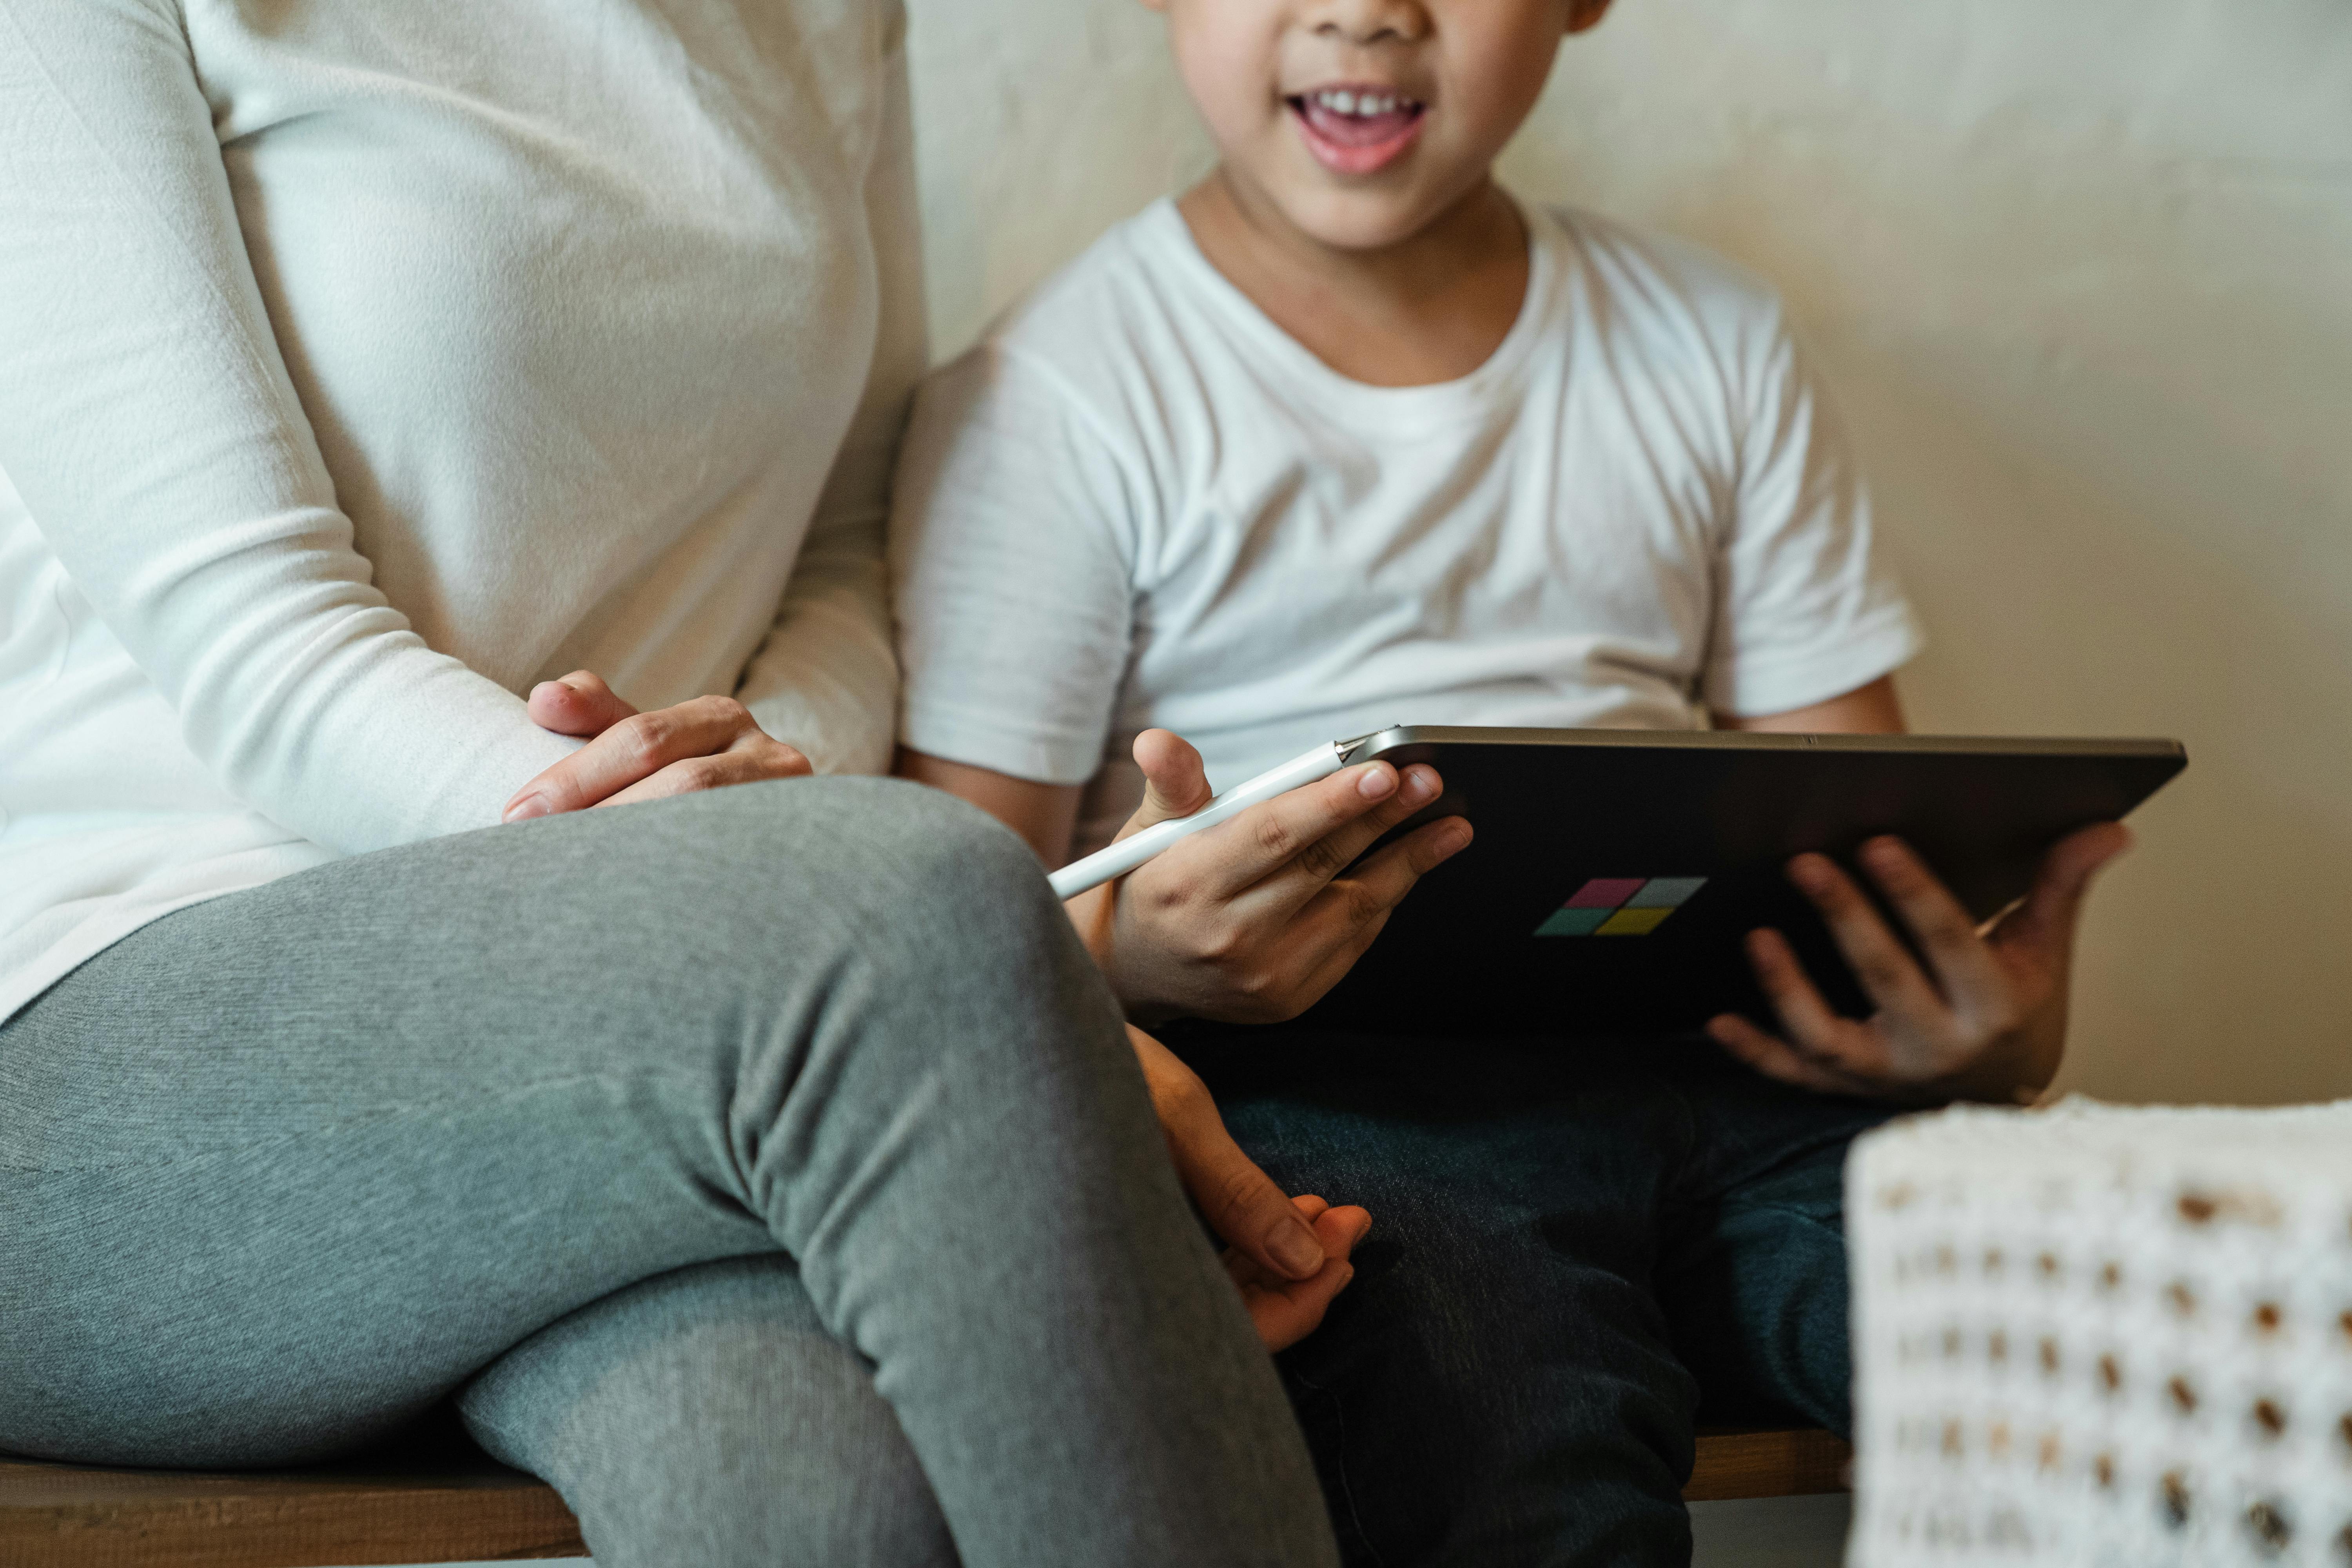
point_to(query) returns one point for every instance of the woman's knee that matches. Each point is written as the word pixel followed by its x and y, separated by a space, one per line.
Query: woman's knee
pixel 913 876
pixel 706 1416
pixel 951 923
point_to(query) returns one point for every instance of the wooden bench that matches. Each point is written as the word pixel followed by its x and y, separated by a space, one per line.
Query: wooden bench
pixel 430 1508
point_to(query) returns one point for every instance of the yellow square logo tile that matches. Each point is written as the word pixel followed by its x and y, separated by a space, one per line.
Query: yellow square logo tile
pixel 1633 922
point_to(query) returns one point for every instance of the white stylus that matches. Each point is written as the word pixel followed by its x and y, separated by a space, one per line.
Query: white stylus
pixel 1129 853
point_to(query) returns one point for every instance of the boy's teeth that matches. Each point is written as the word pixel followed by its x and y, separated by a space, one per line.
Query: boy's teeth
pixel 1368 103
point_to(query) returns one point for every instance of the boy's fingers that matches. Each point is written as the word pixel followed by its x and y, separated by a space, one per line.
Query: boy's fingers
pixel 1963 960
pixel 1268 837
pixel 1776 1058
pixel 1814 1029
pixel 1388 876
pixel 579 703
pixel 1890 976
pixel 1349 913
pixel 1347 916
pixel 1314 832
pixel 1319 863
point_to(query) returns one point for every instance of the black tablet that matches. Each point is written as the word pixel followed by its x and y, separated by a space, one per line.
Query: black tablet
pixel 1616 873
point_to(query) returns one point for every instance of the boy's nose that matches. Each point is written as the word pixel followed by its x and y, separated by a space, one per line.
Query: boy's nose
pixel 1367 22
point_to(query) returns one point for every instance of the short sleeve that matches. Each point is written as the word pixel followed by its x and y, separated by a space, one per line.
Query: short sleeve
pixel 1011 544
pixel 1808 607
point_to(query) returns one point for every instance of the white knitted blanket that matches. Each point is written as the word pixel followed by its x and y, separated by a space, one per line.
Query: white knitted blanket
pixel 2111 1337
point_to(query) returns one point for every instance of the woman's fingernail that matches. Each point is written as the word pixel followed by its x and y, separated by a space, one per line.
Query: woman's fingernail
pixel 1376 781
pixel 1294 1247
pixel 1810 872
pixel 528 806
pixel 1419 787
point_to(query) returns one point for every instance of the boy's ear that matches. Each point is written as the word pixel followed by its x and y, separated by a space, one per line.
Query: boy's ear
pixel 1581 13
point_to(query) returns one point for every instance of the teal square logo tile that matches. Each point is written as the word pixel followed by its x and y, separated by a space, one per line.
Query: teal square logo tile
pixel 1573 923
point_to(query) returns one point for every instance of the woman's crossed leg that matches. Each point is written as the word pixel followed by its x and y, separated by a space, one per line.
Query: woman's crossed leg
pixel 283 1169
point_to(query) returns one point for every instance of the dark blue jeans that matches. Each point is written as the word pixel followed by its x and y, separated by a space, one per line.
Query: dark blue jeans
pixel 1579 1252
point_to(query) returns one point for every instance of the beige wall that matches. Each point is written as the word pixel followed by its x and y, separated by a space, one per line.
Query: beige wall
pixel 2082 273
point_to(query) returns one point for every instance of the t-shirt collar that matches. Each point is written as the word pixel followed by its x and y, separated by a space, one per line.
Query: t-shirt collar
pixel 1405 409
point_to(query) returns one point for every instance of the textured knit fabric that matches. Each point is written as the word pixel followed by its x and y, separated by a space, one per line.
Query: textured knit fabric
pixel 281 1170
pixel 2103 1336
pixel 363 363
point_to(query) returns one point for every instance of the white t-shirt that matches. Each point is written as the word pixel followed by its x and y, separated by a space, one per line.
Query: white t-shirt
pixel 1141 503
pixel 363 363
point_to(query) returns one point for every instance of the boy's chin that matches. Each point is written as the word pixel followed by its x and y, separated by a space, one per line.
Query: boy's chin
pixel 1354 220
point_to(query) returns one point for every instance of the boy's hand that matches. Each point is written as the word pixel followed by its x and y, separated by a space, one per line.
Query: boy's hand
pixel 1986 1021
pixel 707 742
pixel 1250 920
pixel 1288 1256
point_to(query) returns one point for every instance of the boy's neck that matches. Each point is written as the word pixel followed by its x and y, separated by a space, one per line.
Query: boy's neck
pixel 1430 308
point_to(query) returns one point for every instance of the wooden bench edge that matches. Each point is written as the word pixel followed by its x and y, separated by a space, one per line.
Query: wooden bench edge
pixel 82 1517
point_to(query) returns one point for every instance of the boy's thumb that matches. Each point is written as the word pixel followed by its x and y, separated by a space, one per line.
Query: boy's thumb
pixel 2055 903
pixel 1175 783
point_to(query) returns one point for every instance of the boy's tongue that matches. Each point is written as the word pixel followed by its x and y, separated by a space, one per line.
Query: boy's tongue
pixel 1356 130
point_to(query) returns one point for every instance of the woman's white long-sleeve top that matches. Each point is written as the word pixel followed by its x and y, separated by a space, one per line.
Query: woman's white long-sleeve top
pixel 363 363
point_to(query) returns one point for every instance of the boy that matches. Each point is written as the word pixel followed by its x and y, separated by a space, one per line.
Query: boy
pixel 1343 437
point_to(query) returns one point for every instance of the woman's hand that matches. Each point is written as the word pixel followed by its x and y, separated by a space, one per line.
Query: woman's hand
pixel 708 743
pixel 1288 1256
pixel 1251 921
pixel 1987 1020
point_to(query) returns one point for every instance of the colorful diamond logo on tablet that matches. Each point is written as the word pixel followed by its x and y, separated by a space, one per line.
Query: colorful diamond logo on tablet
pixel 1621 906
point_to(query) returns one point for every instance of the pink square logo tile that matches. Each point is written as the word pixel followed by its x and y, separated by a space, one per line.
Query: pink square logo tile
pixel 1605 892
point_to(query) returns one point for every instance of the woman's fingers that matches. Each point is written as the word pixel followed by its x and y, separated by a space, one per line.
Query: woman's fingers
pixel 749 762
pixel 635 749
pixel 1284 1311
pixel 1240 1202
pixel 578 704
pixel 1288 1256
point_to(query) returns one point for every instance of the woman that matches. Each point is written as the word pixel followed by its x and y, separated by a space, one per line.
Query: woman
pixel 764 1166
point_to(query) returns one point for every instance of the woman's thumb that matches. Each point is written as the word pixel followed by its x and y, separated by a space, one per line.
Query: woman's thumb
pixel 578 704
pixel 1242 1206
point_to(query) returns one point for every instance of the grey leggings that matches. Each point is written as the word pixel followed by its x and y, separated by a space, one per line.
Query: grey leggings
pixel 765 1168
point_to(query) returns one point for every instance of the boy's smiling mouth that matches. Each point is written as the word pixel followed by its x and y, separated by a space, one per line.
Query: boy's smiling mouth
pixel 1355 128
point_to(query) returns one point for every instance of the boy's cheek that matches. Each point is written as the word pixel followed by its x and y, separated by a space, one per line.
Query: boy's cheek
pixel 1232 75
